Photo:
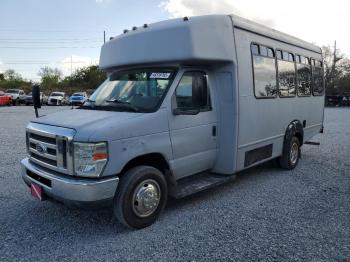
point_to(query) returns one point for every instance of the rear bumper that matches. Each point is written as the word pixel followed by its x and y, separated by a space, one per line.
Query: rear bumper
pixel 70 190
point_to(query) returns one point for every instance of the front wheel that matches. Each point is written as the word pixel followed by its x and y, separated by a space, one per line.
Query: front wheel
pixel 291 154
pixel 141 197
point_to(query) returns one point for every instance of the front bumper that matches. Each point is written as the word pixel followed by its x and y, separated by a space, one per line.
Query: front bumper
pixel 72 190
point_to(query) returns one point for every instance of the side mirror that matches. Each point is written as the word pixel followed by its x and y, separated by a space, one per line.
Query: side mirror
pixel 36 96
pixel 199 91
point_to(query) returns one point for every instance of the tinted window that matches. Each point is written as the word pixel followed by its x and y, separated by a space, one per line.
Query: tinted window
pixel 279 54
pixel 317 79
pixel 255 49
pixel 263 50
pixel 264 76
pixel 183 92
pixel 270 52
pixel 291 57
pixel 286 78
pixel 304 79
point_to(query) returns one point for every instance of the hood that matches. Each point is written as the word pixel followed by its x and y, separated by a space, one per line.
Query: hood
pixel 97 125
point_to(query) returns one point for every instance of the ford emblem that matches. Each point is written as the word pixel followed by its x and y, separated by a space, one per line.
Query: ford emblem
pixel 40 148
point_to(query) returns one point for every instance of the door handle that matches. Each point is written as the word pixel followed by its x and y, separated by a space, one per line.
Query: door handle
pixel 213 131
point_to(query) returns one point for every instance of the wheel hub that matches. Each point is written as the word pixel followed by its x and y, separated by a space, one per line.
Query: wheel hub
pixel 294 153
pixel 146 198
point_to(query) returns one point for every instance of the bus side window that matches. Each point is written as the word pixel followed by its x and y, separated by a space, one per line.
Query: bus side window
pixel 264 73
pixel 286 75
pixel 317 78
pixel 303 77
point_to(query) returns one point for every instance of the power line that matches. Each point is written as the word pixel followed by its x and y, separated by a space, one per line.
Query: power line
pixel 51 47
pixel 49 42
pixel 47 38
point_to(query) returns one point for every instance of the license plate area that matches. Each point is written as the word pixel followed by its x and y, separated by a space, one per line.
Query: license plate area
pixel 40 179
pixel 37 191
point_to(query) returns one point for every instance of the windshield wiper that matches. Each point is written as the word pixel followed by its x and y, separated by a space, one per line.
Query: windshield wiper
pixel 124 103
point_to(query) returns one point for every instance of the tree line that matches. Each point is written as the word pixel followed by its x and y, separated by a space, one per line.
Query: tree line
pixel 336 72
pixel 52 79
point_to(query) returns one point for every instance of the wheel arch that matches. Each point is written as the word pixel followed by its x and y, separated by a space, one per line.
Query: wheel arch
pixel 156 160
pixel 295 128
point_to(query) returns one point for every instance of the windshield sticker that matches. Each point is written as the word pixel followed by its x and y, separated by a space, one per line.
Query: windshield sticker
pixel 160 75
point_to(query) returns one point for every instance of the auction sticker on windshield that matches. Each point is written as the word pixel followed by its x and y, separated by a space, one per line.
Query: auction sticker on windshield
pixel 160 75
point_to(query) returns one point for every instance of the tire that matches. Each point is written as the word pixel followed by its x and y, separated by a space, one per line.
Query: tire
pixel 291 154
pixel 129 206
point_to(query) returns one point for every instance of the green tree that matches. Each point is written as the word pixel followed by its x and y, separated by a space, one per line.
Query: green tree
pixel 50 77
pixel 11 75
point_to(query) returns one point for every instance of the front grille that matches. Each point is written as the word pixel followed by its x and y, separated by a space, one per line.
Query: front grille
pixel 53 101
pixel 50 149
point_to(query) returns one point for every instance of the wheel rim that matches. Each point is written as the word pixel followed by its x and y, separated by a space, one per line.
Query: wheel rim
pixel 146 198
pixel 294 153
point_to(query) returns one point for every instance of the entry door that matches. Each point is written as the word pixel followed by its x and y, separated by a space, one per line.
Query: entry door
pixel 193 136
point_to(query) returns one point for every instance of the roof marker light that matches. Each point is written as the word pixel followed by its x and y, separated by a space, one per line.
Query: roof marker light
pixel 125 31
pixel 134 28
pixel 145 25
pixel 185 18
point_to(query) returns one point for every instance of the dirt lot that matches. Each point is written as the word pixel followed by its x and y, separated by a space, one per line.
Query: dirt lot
pixel 265 214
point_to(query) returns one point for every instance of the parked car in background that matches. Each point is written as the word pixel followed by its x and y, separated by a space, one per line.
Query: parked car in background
pixel 18 96
pixel 5 100
pixel 57 98
pixel 29 98
pixel 78 98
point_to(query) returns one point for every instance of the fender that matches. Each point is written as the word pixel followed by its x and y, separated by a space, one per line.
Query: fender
pixel 295 128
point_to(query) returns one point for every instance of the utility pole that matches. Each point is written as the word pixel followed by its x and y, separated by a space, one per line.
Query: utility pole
pixel 104 36
pixel 71 73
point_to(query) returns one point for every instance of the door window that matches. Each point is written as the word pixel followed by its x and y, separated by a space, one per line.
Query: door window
pixel 184 92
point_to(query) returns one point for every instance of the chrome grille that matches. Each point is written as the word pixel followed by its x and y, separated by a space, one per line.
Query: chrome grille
pixel 50 147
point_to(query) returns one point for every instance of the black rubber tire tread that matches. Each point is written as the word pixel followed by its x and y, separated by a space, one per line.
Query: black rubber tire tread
pixel 122 201
pixel 284 160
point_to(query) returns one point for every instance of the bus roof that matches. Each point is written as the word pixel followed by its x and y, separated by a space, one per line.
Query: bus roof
pixel 256 28
pixel 199 39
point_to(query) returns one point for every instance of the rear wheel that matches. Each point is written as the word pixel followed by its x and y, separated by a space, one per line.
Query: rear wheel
pixel 141 197
pixel 291 154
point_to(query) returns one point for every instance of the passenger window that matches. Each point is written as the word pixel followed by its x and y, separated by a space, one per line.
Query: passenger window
pixel 298 60
pixel 255 49
pixel 317 78
pixel 303 78
pixel 286 75
pixel 263 50
pixel 279 54
pixel 270 52
pixel 184 94
pixel 264 71
pixel 291 57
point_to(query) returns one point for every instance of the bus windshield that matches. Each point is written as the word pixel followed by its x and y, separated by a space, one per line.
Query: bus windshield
pixel 136 91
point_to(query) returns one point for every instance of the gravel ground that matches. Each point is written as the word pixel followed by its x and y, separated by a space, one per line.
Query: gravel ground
pixel 265 214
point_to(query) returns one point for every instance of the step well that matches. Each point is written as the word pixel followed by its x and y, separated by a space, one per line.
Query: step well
pixel 199 182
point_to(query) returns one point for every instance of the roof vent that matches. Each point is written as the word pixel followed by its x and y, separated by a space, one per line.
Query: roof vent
pixel 145 25
pixel 134 28
pixel 185 18
pixel 125 31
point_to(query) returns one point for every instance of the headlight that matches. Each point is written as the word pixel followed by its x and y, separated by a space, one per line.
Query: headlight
pixel 90 158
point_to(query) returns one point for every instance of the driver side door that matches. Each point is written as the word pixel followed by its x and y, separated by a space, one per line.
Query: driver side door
pixel 192 128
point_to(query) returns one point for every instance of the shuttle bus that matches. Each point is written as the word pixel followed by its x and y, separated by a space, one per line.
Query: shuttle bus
pixel 186 105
